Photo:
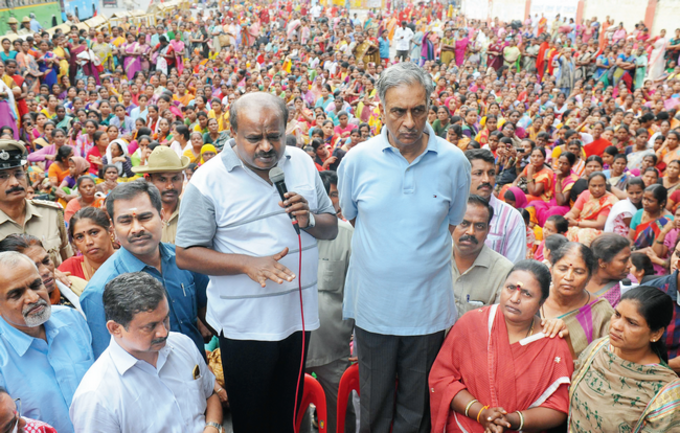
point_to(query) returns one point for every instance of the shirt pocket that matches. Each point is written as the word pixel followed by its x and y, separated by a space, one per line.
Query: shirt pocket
pixel 309 193
pixel 196 402
pixel 331 275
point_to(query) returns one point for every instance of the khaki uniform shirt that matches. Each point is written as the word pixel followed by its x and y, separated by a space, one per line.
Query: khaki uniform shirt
pixel 331 341
pixel 45 221
pixel 10 32
pixel 170 227
pixel 24 31
pixel 481 284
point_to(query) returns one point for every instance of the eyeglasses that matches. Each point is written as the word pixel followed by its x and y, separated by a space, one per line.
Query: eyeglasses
pixel 17 416
pixel 5 175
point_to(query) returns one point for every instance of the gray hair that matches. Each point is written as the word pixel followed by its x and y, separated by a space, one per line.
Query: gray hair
pixel 129 294
pixel 257 101
pixel 130 190
pixel 404 73
pixel 10 259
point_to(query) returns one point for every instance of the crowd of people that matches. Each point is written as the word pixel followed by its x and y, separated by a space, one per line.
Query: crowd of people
pixel 485 222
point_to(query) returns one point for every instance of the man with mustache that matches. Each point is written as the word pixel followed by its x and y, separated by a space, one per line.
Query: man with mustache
pixel 44 349
pixel 234 227
pixel 149 379
pixel 42 219
pixel 165 170
pixel 478 271
pixel 136 212
pixel 507 232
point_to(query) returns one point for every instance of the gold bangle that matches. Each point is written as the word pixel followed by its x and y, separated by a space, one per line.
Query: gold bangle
pixel 469 405
pixel 521 420
pixel 480 412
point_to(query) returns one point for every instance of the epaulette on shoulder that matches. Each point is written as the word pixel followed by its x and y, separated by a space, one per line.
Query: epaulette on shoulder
pixel 46 203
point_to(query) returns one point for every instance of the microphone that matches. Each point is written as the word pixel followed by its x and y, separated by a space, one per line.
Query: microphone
pixel 278 179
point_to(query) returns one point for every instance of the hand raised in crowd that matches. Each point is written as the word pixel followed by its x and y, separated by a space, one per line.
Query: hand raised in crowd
pixel 261 269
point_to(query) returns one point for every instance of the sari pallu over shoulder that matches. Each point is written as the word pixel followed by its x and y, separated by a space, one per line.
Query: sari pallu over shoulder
pixel 620 404
pixel 477 356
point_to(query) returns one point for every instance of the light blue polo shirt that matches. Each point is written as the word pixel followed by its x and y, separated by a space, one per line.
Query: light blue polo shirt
pixel 399 278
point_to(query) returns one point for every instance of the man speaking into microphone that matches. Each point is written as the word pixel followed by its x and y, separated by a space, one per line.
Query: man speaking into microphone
pixel 234 227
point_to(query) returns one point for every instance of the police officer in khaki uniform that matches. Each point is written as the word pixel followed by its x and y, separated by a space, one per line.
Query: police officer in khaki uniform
pixel 42 219
pixel 13 23
pixel 166 171
pixel 25 27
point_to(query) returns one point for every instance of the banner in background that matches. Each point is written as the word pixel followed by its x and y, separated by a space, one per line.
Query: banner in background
pixel 550 8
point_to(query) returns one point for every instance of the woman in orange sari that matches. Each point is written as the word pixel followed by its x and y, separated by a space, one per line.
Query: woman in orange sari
pixel 590 211
pixel 490 125
pixel 538 176
pixel 513 374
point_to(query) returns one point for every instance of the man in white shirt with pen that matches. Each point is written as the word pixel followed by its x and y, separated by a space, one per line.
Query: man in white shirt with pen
pixel 148 379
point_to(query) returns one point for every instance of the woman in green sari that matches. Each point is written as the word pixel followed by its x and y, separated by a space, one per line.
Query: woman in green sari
pixel 622 382
pixel 641 63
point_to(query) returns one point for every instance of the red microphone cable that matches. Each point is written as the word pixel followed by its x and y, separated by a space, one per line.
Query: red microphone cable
pixel 302 315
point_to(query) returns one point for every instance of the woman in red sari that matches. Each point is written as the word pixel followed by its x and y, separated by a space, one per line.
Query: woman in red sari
pixel 500 366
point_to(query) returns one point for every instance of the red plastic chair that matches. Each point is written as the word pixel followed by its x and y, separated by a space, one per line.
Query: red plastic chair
pixel 313 393
pixel 348 383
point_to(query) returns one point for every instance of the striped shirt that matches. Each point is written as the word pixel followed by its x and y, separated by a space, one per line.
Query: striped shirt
pixel 507 234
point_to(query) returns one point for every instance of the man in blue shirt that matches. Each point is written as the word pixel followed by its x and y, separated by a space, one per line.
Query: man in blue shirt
pixel 135 209
pixel 44 350
pixel 404 191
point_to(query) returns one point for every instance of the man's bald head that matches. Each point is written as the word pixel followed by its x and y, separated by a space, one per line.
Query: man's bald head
pixel 256 101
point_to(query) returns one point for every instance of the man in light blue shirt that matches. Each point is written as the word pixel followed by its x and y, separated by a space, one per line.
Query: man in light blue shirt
pixel 135 209
pixel 44 350
pixel 35 24
pixel 404 191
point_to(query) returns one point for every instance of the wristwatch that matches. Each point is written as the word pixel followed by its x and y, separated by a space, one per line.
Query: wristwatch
pixel 311 223
pixel 219 428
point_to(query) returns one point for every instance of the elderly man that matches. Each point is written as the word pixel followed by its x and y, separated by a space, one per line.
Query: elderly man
pixel 507 232
pixel 42 219
pixel 241 236
pixel 149 379
pixel 478 271
pixel 404 191
pixel 135 211
pixel 12 421
pixel 44 350
pixel 166 171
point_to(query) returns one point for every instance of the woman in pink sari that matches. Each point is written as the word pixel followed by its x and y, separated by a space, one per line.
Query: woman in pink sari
pixel 178 46
pixel 144 50
pixel 461 47
pixel 131 62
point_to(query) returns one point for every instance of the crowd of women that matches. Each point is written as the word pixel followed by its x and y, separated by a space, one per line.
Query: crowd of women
pixel 580 117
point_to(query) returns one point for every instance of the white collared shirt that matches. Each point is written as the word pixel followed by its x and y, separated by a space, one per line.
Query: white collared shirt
pixel 121 393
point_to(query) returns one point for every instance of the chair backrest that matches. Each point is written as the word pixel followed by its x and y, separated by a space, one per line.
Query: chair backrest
pixel 348 383
pixel 313 394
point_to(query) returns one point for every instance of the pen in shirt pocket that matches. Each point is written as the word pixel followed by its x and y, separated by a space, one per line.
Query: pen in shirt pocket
pixel 185 293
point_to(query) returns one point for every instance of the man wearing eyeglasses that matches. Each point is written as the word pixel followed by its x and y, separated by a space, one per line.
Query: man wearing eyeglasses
pixel 11 420
pixel 42 219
